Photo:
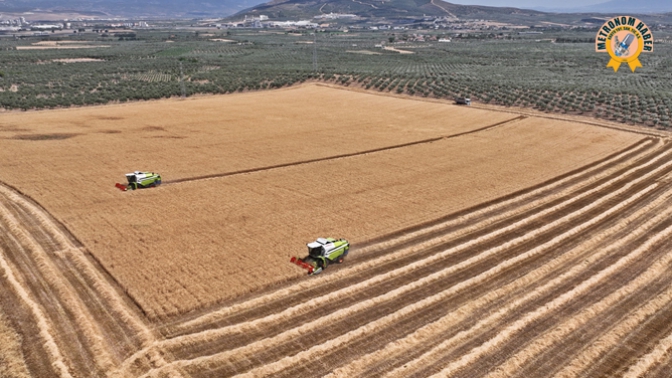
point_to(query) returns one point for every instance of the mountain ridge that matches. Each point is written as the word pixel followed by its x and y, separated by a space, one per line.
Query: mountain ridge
pixel 623 6
pixel 375 10
pixel 133 8
pixel 284 9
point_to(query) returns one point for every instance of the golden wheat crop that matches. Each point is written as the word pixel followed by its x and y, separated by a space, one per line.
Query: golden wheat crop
pixel 485 242
pixel 204 240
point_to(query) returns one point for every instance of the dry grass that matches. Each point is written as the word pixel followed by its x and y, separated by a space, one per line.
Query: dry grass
pixel 398 50
pixel 60 47
pixel 365 52
pixel 200 242
pixel 77 60
pixel 59 43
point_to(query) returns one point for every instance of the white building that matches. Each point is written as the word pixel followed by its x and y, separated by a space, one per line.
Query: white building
pixel 47 27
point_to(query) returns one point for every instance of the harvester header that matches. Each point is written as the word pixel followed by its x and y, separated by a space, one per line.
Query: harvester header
pixel 321 253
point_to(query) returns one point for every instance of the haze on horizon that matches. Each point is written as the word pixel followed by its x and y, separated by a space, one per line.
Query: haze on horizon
pixel 529 4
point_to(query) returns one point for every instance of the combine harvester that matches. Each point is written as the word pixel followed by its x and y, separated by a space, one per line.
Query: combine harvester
pixel 322 253
pixel 139 179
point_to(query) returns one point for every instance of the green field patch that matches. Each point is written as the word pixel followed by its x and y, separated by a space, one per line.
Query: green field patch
pixel 174 51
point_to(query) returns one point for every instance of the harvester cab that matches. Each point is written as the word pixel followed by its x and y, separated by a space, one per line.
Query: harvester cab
pixel 139 179
pixel 321 253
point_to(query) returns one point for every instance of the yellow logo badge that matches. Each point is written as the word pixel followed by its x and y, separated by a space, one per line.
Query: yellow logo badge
pixel 624 38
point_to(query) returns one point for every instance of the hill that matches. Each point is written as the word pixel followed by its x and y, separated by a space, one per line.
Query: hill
pixel 618 6
pixel 132 8
pixel 286 9
pixel 301 9
pixel 628 6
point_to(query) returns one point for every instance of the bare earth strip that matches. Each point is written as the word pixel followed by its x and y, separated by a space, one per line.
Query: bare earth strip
pixel 77 60
pixel 61 47
pixel 398 50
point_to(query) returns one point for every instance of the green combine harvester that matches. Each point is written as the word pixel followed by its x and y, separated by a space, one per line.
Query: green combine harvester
pixel 322 253
pixel 139 179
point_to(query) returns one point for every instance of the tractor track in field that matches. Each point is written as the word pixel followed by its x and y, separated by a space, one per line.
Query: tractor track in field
pixel 46 291
pixel 547 322
pixel 39 359
pixel 242 342
pixel 66 294
pixel 617 360
pixel 550 361
pixel 560 256
pixel 341 156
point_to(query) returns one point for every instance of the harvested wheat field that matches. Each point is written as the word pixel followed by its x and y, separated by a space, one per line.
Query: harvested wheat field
pixel 484 243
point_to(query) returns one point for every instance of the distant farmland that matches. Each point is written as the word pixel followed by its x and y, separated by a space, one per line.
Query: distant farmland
pixel 557 72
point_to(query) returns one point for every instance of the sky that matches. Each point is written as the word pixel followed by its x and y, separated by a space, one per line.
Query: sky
pixel 528 3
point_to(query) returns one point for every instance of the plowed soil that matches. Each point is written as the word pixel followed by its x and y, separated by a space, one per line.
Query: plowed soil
pixel 484 243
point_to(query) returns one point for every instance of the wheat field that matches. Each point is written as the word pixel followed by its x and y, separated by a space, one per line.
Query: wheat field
pixel 12 362
pixel 485 243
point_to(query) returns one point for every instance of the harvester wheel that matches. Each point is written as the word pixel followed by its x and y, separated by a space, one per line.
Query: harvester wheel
pixel 340 260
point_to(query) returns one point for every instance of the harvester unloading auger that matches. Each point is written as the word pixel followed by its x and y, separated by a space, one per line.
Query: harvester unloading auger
pixel 139 179
pixel 322 253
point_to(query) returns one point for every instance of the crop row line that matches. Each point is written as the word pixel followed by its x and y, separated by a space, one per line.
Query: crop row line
pixel 593 174
pixel 340 314
pixel 459 315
